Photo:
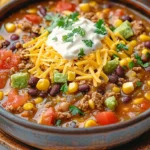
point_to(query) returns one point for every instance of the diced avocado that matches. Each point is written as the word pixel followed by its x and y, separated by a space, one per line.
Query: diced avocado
pixel 111 66
pixel 111 103
pixel 19 80
pixel 125 30
pixel 60 77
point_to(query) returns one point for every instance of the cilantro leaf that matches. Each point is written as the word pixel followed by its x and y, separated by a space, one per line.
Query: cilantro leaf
pixel 54 38
pixel 75 110
pixel 100 27
pixel 79 30
pixel 138 83
pixel 139 61
pixel 58 122
pixel 68 37
pixel 81 53
pixel 88 43
pixel 64 88
pixel 74 16
pixel 112 28
pixel 131 64
pixel 115 56
pixel 121 46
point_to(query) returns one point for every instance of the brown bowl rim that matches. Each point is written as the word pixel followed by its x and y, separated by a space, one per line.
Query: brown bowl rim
pixel 63 130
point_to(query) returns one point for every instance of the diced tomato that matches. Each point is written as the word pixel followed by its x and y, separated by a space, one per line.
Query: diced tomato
pixel 105 118
pixel 145 105
pixel 48 117
pixel 15 100
pixel 119 12
pixel 8 59
pixel 3 78
pixel 61 6
pixel 33 18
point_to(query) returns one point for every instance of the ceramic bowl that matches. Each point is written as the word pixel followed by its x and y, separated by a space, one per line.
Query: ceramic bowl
pixel 48 137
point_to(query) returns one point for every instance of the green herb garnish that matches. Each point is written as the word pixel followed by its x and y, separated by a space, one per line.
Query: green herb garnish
pixel 131 64
pixel 68 37
pixel 88 43
pixel 75 110
pixel 138 83
pixel 100 27
pixel 112 28
pixel 121 46
pixel 115 56
pixel 79 30
pixel 64 88
pixel 81 53
pixel 54 39
pixel 58 122
pixel 74 16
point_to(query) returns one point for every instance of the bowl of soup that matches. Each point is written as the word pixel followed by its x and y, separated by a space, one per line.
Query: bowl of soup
pixel 74 74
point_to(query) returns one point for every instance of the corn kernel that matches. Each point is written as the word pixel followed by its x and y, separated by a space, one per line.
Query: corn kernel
pixel 144 38
pixel 1 38
pixel 91 104
pixel 28 106
pixel 133 43
pixel 126 109
pixel 148 82
pixel 38 100
pixel 130 74
pixel 73 87
pixel 116 89
pixel 128 87
pixel 147 95
pixel 128 59
pixel 98 13
pixel 71 75
pixel 1 95
pixel 90 123
pixel 43 84
pixel 31 11
pixel 92 3
pixel 145 51
pixel 123 62
pixel 106 10
pixel 10 27
pixel 85 7
pixel 138 100
pixel 118 22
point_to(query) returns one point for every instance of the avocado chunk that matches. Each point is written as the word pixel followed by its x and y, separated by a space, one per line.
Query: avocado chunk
pixel 111 66
pixel 19 80
pixel 125 30
pixel 111 103
pixel 60 77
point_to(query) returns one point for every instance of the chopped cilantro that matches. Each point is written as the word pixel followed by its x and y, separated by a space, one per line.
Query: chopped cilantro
pixel 88 43
pixel 75 110
pixel 100 27
pixel 54 39
pixel 64 88
pixel 112 28
pixel 74 16
pixel 138 83
pixel 81 53
pixel 79 30
pixel 121 46
pixel 139 61
pixel 58 122
pixel 115 56
pixel 131 64
pixel 68 37
pixel 147 55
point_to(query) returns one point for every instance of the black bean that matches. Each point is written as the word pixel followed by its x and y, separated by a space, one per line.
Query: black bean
pixel 6 43
pixel 43 94
pixel 126 17
pixel 101 89
pixel 33 81
pixel 84 88
pixel 126 99
pixel 120 71
pixel 147 69
pixel 12 47
pixel 14 37
pixel 147 44
pixel 42 11
pixel 33 92
pixel 144 58
pixel 55 89
pixel 113 78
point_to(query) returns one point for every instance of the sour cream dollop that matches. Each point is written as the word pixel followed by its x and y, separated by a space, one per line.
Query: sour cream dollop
pixel 71 50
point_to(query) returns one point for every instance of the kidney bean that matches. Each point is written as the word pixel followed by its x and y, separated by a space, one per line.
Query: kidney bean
pixel 55 89
pixel 120 71
pixel 14 37
pixel 6 43
pixel 43 94
pixel 33 35
pixel 101 89
pixel 33 92
pixel 113 78
pixel 144 58
pixel 126 99
pixel 84 88
pixel 126 17
pixel 33 81
pixel 13 47
pixel 147 44
pixel 42 11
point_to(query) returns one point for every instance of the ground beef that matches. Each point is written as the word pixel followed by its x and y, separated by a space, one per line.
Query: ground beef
pixel 35 29
pixel 25 25
pixel 83 104
pixel 63 115
pixel 121 81
pixel 109 94
pixel 139 47
pixel 137 69
pixel 90 15
pixel 137 27
pixel 98 100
